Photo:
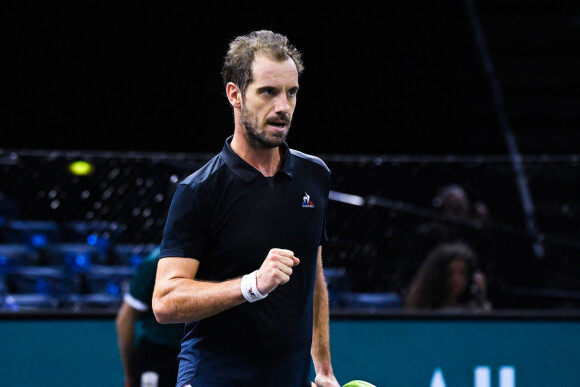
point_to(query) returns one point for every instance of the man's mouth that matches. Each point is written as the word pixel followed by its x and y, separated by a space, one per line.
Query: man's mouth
pixel 278 124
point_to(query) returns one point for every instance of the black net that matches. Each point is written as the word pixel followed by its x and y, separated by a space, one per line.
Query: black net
pixel 384 217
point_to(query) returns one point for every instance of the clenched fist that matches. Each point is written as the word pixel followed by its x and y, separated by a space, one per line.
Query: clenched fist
pixel 276 270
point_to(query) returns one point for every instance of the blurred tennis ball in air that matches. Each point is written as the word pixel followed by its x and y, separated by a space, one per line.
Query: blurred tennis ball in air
pixel 81 168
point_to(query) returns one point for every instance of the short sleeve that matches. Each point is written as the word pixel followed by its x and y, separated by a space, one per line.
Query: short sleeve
pixel 183 235
pixel 323 236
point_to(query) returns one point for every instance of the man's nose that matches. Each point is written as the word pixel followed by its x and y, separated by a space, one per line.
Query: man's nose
pixel 282 105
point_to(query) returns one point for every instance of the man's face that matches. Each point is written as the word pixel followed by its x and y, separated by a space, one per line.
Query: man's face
pixel 269 102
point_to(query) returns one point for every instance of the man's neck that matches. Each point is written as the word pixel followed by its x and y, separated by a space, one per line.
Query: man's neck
pixel 266 161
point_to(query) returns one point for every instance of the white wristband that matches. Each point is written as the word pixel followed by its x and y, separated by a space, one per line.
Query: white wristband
pixel 250 288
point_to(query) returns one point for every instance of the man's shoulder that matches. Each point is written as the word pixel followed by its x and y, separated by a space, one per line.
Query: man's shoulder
pixel 309 158
pixel 204 173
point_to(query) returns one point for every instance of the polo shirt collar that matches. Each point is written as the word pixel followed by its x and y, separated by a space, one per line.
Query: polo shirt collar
pixel 245 170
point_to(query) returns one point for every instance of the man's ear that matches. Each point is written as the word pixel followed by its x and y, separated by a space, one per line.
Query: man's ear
pixel 234 95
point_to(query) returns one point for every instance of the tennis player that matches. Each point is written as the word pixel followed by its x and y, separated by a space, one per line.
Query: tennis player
pixel 241 257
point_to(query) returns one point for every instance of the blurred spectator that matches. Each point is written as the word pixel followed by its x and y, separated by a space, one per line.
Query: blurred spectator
pixel 457 210
pixel 456 219
pixel 449 279
pixel 144 344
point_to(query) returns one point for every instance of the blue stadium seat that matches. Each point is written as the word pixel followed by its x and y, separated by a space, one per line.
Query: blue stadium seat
pixel 372 301
pixel 338 283
pixel 111 280
pixel 84 302
pixel 36 233
pixel 50 281
pixel 28 302
pixel 8 210
pixel 97 233
pixel 131 254
pixel 16 254
pixel 76 257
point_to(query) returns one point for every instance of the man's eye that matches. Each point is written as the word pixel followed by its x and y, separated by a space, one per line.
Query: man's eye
pixel 292 93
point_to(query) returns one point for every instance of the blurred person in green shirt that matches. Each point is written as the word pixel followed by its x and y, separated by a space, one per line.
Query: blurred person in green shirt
pixel 144 344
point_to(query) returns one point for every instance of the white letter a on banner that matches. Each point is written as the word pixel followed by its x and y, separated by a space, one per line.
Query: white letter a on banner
pixel 437 379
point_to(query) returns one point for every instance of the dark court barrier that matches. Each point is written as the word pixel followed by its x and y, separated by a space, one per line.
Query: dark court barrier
pixel 430 350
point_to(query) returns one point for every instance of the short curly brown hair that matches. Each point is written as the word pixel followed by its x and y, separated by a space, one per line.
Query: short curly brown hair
pixel 243 49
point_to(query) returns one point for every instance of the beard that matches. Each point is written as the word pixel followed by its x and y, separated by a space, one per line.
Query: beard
pixel 260 139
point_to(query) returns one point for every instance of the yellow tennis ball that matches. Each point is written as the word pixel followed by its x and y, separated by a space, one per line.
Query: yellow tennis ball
pixel 358 383
pixel 80 168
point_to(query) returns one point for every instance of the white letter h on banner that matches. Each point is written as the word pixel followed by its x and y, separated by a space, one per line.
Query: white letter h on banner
pixel 482 376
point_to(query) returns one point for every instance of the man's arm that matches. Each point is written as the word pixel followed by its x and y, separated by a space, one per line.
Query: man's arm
pixel 320 335
pixel 180 298
pixel 125 323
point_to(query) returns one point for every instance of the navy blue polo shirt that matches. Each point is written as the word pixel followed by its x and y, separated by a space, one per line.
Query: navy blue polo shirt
pixel 228 216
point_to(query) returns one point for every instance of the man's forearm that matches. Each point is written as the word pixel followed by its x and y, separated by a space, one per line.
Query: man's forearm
pixel 320 335
pixel 192 300
pixel 125 324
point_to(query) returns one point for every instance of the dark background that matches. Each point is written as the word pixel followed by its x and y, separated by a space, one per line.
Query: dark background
pixel 403 78
pixel 144 76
